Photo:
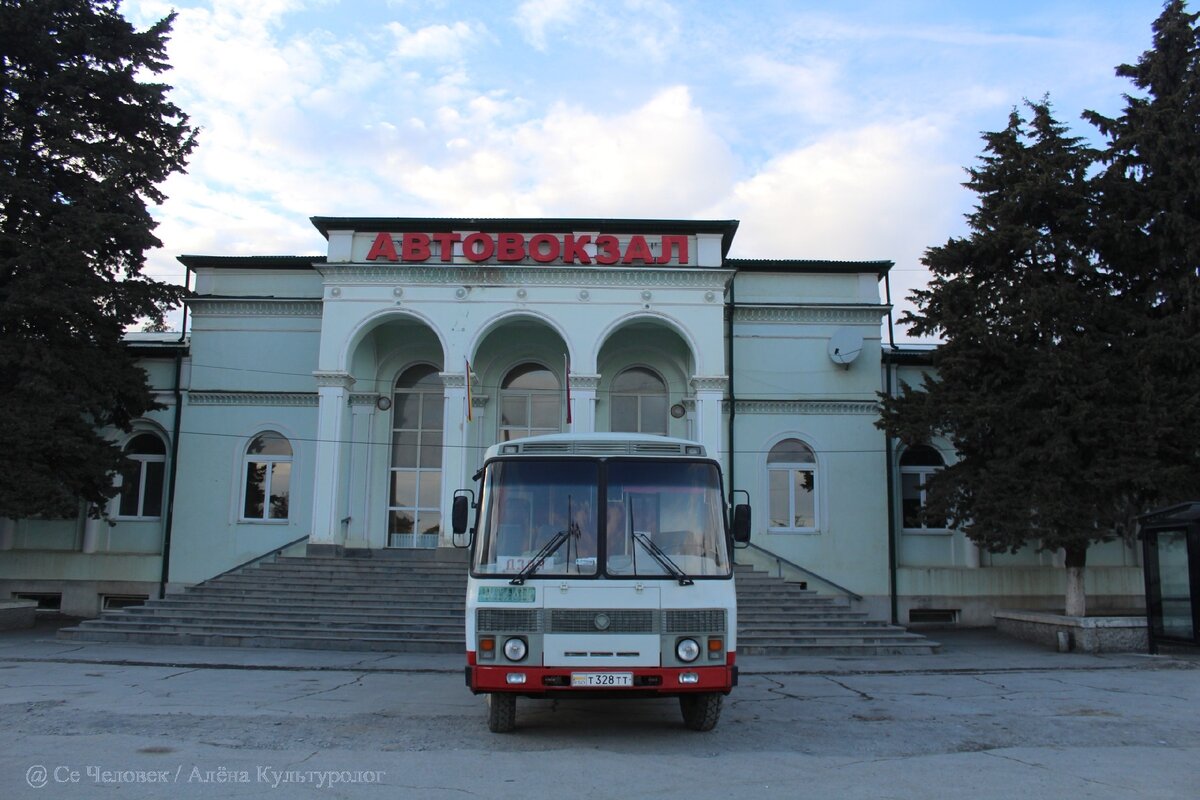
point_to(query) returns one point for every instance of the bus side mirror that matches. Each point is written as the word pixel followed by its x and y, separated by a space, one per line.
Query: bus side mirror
pixel 458 514
pixel 741 523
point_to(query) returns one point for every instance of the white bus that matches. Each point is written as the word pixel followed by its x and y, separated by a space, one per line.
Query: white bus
pixel 601 564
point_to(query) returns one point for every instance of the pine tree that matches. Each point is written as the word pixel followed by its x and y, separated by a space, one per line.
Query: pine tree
pixel 1024 387
pixel 85 139
pixel 1149 237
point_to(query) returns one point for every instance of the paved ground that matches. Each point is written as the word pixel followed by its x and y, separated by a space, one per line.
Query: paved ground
pixel 987 718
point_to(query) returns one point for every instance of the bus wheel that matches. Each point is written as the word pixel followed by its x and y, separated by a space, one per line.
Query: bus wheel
pixel 700 711
pixel 502 712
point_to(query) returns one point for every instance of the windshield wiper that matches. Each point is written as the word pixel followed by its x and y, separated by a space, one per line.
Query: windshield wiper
pixel 663 559
pixel 548 549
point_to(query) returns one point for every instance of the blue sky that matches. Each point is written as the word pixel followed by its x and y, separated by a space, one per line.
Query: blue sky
pixel 830 129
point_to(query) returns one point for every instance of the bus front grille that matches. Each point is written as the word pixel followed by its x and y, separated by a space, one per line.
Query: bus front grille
pixel 602 620
pixel 707 620
pixel 510 620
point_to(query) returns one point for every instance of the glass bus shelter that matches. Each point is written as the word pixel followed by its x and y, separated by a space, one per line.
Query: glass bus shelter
pixel 1171 560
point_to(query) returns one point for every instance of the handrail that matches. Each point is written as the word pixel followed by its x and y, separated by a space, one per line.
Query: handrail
pixel 781 560
pixel 256 559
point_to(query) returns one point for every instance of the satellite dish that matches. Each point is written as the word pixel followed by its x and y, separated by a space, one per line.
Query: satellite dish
pixel 844 346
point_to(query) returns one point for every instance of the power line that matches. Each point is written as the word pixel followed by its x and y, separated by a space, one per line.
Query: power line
pixel 439 446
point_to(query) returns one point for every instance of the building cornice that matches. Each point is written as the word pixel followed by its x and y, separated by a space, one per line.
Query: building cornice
pixel 585 381
pixel 336 380
pixel 256 307
pixel 842 314
pixel 807 407
pixel 210 398
pixel 676 277
pixel 710 383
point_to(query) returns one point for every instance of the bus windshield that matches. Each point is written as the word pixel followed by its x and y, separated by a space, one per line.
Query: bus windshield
pixel 623 518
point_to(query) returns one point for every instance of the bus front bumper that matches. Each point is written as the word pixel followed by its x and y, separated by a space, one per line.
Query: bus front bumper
pixel 644 681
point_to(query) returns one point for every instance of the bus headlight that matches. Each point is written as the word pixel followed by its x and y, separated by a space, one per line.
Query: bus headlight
pixel 515 649
pixel 687 650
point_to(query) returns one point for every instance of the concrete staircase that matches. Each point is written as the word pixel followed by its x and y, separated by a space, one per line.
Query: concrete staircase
pixel 779 618
pixel 413 601
pixel 409 601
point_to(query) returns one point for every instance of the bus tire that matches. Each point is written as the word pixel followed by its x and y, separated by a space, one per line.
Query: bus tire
pixel 701 710
pixel 502 712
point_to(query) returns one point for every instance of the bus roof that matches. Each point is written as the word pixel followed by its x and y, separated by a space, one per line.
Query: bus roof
pixel 598 444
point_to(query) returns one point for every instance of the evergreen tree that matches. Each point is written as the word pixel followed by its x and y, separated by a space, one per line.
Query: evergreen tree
pixel 1149 238
pixel 85 138
pixel 1025 388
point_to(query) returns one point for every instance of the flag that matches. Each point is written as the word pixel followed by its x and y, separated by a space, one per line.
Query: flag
pixel 469 403
pixel 567 381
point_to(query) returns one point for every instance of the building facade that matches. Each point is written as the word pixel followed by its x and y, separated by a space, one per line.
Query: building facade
pixel 335 402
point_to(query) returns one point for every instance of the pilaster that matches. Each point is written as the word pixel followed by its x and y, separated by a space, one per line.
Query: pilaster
pixel 329 502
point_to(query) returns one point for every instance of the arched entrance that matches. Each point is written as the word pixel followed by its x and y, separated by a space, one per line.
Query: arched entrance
pixel 519 389
pixel 644 387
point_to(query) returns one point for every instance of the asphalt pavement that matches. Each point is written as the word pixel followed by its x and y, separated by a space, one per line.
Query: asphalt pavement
pixel 962 651
pixel 988 717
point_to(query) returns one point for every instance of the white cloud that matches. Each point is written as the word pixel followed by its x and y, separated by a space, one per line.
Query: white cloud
pixel 810 87
pixel 661 158
pixel 533 17
pixel 631 30
pixel 434 42
pixel 875 192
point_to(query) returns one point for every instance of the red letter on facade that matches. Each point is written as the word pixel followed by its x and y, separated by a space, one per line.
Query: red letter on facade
pixel 478 247
pixel 608 249
pixel 669 243
pixel 638 250
pixel 415 247
pixel 383 247
pixel 573 249
pixel 511 247
pixel 446 242
pixel 553 248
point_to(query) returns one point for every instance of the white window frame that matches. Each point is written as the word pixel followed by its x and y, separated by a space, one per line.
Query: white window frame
pixel 640 396
pixel 270 461
pixel 790 468
pixel 922 472
pixel 527 394
pixel 421 473
pixel 143 459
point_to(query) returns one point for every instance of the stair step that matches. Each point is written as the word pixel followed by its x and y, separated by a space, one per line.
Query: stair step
pixel 271 605
pixel 311 621
pixel 322 642
pixel 847 649
pixel 414 602
pixel 268 628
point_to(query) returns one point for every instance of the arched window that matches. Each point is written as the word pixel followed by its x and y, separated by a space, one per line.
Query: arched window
pixel 639 402
pixel 142 465
pixel 530 402
pixel 268 478
pixel 916 465
pixel 792 486
pixel 415 496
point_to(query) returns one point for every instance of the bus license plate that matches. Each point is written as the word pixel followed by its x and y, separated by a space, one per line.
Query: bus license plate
pixel 602 679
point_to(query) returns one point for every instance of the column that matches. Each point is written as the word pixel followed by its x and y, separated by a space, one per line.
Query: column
pixel 455 444
pixel 583 402
pixel 971 553
pixel 92 528
pixel 333 393
pixel 358 472
pixel 710 392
